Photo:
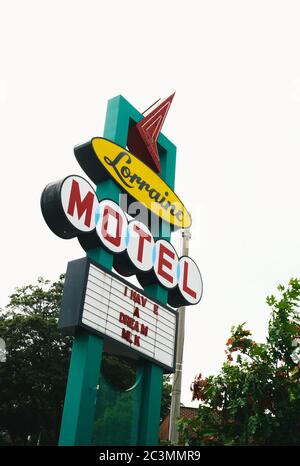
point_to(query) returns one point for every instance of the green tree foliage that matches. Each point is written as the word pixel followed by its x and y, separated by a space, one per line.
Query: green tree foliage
pixel 255 399
pixel 33 378
pixel 166 398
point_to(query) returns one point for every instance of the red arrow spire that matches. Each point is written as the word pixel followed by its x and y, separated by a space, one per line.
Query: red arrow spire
pixel 142 137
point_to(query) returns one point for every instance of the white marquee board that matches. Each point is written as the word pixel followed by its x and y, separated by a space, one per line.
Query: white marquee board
pixel 116 309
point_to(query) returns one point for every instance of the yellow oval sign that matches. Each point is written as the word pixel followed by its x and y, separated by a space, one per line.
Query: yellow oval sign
pixel 133 176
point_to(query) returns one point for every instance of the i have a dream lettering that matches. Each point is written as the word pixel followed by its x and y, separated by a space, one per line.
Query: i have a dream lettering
pixel 102 303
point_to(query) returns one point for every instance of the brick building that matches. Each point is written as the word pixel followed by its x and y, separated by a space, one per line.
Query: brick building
pixel 186 412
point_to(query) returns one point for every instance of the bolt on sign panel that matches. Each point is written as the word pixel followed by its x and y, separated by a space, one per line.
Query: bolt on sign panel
pixel 103 303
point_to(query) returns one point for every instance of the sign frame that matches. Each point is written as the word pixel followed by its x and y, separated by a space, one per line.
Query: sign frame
pixel 80 400
pixel 72 307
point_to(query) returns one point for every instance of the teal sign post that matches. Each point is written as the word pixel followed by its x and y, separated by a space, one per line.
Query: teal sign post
pixel 100 308
pixel 84 373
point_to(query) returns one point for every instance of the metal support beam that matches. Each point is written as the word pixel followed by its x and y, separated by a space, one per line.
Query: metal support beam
pixel 78 415
pixel 176 388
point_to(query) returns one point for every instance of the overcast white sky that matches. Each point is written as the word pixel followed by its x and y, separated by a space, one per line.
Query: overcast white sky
pixel 235 66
